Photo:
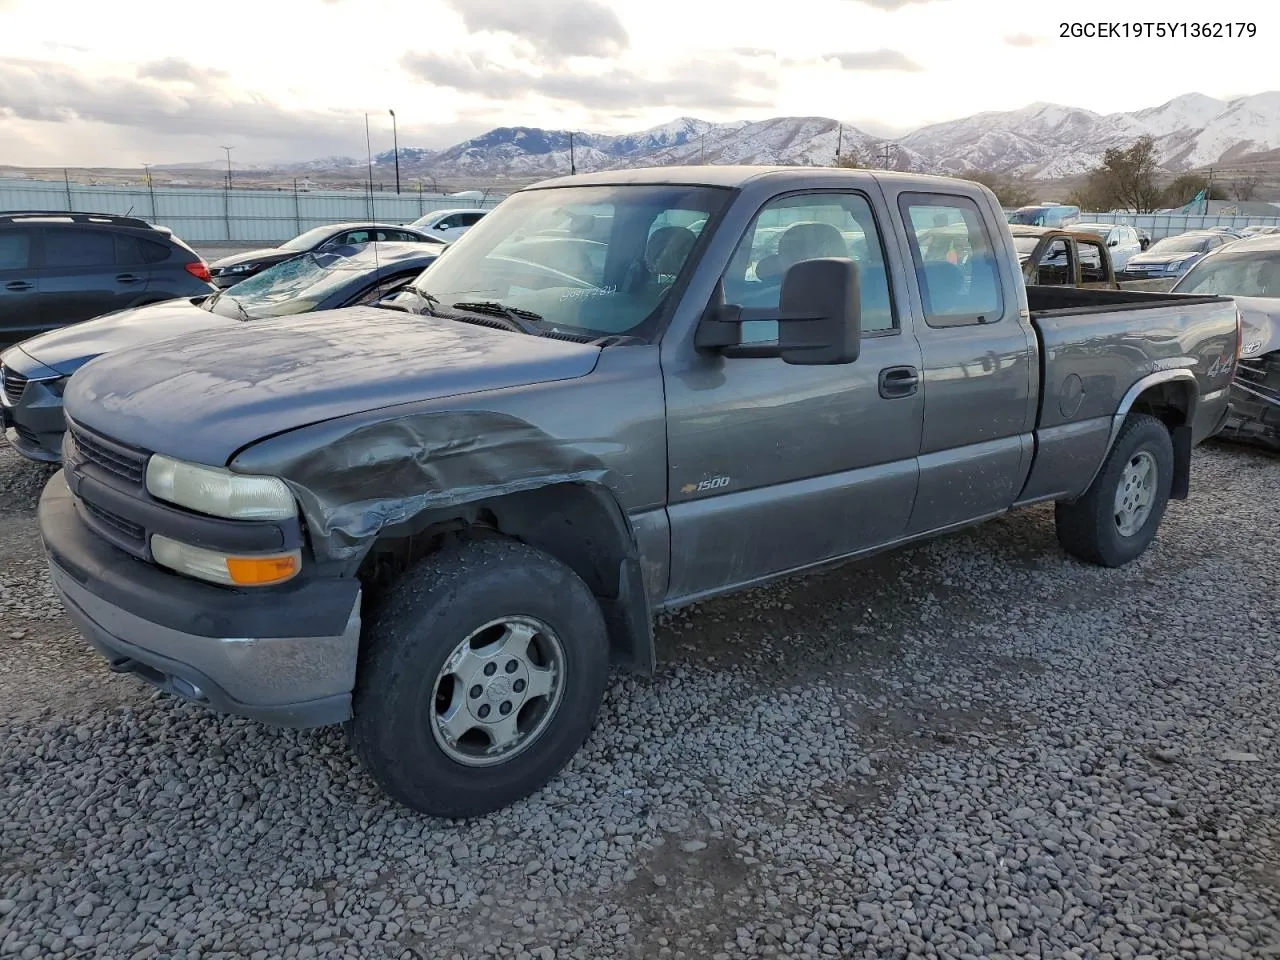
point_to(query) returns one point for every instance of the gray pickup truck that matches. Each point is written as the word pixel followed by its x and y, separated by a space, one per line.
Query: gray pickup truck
pixel 618 394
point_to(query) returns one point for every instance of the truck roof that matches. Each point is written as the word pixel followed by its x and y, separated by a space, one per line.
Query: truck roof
pixel 714 175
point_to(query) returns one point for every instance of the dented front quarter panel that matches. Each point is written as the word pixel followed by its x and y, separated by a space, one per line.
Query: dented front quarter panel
pixel 358 475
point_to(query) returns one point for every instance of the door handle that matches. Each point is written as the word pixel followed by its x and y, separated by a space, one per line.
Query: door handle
pixel 128 278
pixel 898 382
pixel 17 286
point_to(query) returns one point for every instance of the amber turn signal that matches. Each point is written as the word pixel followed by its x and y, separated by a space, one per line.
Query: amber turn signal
pixel 262 571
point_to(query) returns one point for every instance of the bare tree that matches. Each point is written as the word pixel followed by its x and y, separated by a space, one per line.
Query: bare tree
pixel 1126 179
pixel 1244 188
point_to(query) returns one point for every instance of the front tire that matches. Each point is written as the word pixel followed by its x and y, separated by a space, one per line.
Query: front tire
pixel 1117 518
pixel 481 673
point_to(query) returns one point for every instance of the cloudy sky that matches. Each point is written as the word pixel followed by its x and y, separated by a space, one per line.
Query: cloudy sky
pixel 156 81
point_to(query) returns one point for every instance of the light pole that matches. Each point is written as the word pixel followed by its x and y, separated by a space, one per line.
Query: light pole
pixel 395 140
pixel 573 166
pixel 228 149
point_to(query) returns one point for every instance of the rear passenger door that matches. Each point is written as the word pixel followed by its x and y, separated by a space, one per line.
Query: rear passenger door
pixel 81 277
pixel 20 309
pixel 980 380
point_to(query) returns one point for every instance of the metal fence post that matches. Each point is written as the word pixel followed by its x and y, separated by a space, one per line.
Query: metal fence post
pixel 226 211
pixel 297 207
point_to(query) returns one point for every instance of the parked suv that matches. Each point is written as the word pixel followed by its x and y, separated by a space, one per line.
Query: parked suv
pixel 58 268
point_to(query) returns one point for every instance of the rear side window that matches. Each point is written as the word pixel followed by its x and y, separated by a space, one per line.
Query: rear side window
pixel 954 259
pixel 15 249
pixel 471 219
pixel 69 248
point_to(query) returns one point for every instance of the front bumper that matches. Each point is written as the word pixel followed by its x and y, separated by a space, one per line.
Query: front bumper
pixel 285 656
pixel 32 420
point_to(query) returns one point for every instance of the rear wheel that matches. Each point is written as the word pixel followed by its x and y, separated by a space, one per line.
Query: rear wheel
pixel 1117 518
pixel 482 672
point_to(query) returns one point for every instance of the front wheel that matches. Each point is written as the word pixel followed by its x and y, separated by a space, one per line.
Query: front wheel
pixel 1117 518
pixel 482 672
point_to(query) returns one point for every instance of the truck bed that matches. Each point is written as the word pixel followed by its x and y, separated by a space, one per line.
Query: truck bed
pixel 1095 346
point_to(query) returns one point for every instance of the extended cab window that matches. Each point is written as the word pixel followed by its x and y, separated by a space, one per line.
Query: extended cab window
pixel 954 260
pixel 1091 262
pixel 1055 266
pixel 808 227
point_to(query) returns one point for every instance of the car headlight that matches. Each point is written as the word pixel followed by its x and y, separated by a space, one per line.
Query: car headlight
pixel 235 571
pixel 56 386
pixel 219 492
pixel 241 268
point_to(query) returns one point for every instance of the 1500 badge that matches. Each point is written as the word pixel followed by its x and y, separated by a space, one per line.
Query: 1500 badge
pixel 702 486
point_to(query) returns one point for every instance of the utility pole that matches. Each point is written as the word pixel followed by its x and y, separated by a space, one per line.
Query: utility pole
pixel 703 156
pixel 573 166
pixel 839 141
pixel 395 140
pixel 151 190
pixel 368 147
pixel 886 152
pixel 228 150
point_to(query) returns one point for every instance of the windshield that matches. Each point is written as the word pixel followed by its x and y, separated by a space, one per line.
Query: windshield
pixel 1025 245
pixel 591 261
pixel 295 286
pixel 1029 218
pixel 1234 275
pixel 1179 245
pixel 305 241
pixel 1097 229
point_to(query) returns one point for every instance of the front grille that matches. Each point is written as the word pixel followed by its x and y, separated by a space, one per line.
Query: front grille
pixel 110 457
pixel 14 384
pixel 125 528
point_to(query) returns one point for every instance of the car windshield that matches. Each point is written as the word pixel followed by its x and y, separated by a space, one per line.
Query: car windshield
pixel 1254 274
pixel 305 241
pixel 1097 229
pixel 1179 245
pixel 587 261
pixel 1024 245
pixel 295 286
pixel 1029 218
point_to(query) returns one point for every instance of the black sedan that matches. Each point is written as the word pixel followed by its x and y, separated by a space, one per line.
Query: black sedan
pixel 240 266
pixel 35 372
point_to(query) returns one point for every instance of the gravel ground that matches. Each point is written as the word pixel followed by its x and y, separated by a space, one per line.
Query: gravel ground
pixel 972 748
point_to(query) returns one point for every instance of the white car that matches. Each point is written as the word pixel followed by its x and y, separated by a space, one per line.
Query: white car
pixel 449 225
pixel 1122 242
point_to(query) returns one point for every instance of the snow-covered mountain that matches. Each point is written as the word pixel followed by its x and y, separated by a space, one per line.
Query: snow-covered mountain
pixel 1041 141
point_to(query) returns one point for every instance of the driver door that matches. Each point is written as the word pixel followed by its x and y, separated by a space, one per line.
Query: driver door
pixel 773 466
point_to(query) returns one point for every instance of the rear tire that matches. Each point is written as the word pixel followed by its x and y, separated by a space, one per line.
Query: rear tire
pixel 481 673
pixel 1117 518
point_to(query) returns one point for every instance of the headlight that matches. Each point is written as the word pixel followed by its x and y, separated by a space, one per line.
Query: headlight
pixel 219 492
pixel 234 571
pixel 56 386
pixel 241 268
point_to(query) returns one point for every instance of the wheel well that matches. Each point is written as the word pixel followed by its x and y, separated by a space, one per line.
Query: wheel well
pixel 1173 404
pixel 581 526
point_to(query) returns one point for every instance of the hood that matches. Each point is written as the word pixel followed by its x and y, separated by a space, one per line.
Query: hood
pixel 1260 323
pixel 1163 257
pixel 252 256
pixel 67 348
pixel 204 398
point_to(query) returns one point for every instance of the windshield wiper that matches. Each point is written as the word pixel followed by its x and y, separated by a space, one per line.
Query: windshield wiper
pixel 520 320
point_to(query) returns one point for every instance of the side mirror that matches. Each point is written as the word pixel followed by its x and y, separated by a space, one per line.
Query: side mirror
pixel 819 317
pixel 1113 243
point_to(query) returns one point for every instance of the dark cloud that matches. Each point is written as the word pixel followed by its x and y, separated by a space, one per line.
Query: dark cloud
pixel 556 29
pixel 712 82
pixel 1023 40
pixel 182 71
pixel 881 59
pixel 43 91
